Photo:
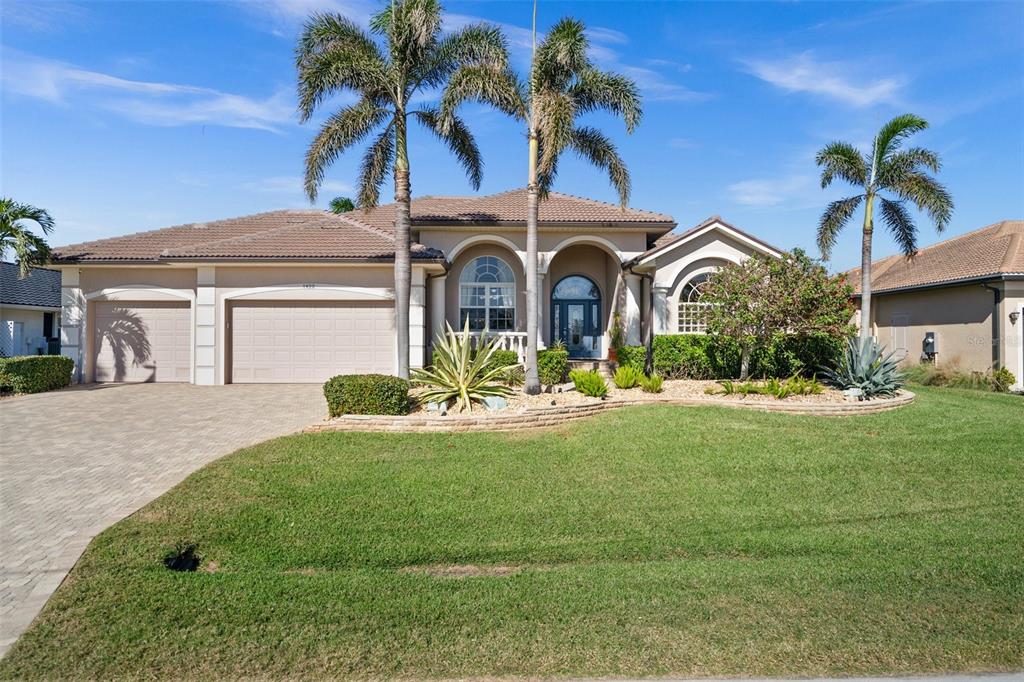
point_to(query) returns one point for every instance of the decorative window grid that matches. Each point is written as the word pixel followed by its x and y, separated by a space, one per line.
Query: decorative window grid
pixel 691 317
pixel 487 295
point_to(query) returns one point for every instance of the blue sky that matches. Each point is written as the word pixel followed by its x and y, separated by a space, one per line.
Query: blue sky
pixel 125 116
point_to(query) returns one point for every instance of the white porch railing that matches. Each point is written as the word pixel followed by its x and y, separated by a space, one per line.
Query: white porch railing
pixel 507 341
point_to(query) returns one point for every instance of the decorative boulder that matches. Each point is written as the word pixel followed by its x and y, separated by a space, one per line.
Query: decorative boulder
pixel 495 402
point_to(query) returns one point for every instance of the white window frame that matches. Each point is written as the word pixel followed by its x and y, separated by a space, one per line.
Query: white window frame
pixel 688 313
pixel 466 285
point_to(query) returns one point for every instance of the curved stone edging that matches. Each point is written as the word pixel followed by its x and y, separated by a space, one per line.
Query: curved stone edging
pixel 552 416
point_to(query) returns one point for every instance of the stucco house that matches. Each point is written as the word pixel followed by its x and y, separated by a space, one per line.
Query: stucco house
pixel 302 295
pixel 29 311
pixel 966 293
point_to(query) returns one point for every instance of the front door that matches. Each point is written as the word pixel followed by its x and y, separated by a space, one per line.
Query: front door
pixel 576 316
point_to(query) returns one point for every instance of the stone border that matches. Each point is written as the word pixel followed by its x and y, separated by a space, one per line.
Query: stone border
pixel 553 416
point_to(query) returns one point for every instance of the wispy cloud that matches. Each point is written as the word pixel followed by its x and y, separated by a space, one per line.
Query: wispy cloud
pixel 148 102
pixel 682 143
pixel 284 17
pixel 833 80
pixel 41 17
pixel 768 192
pixel 658 88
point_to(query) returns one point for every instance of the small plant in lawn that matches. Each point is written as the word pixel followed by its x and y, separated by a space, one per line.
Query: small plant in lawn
pixel 627 376
pixel 651 384
pixel 589 382
pixel 459 373
pixel 864 366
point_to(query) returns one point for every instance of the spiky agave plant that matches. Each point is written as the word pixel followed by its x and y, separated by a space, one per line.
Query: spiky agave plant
pixel 866 366
pixel 460 374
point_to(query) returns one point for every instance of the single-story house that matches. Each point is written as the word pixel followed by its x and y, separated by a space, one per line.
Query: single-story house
pixel 301 295
pixel 29 311
pixel 965 294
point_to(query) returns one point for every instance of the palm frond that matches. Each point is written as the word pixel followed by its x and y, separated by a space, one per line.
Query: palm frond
pixel 455 133
pixel 842 160
pixel 561 54
pixel 593 90
pixel 928 194
pixel 592 145
pixel 500 89
pixel 373 170
pixel 907 161
pixel 835 217
pixel 338 133
pixel 412 28
pixel 897 218
pixel 555 118
pixel 892 134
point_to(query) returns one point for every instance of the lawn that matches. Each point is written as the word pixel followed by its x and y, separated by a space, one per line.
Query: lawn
pixel 646 541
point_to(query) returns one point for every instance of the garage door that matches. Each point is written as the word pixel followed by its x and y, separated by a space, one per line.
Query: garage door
pixel 142 341
pixel 296 343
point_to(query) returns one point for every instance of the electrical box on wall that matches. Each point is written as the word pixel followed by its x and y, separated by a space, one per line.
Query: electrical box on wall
pixel 929 346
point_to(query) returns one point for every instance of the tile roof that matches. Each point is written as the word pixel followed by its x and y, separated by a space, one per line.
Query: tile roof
pixel 997 249
pixel 41 287
pixel 357 235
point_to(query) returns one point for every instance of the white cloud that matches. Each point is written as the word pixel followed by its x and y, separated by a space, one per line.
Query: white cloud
pixel 285 184
pixel 607 35
pixel 834 80
pixel 657 87
pixel 147 102
pixel 42 17
pixel 682 143
pixel 766 192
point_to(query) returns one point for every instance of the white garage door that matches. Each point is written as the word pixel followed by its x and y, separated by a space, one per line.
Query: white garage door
pixel 309 343
pixel 148 341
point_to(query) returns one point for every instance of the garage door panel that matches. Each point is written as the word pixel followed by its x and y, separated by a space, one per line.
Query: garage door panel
pixel 309 343
pixel 142 341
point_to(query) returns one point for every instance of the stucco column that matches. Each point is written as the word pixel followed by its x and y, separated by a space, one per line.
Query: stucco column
pixel 205 319
pixel 437 309
pixel 418 318
pixel 72 320
pixel 661 312
pixel 542 307
pixel 631 315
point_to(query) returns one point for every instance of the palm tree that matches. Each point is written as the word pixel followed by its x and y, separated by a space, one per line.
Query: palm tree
pixel 334 55
pixel 563 84
pixel 342 205
pixel 890 169
pixel 29 249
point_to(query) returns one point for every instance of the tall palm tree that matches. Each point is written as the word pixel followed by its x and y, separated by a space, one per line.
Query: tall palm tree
pixel 28 248
pixel 563 84
pixel 888 170
pixel 412 58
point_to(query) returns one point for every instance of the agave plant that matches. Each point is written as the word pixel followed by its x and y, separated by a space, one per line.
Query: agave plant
pixel 866 366
pixel 459 373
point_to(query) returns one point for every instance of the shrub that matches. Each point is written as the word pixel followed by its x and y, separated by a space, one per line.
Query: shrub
pixel 504 358
pixel 367 394
pixel 461 374
pixel 651 384
pixel 35 373
pixel 627 376
pixel 552 365
pixel 928 374
pixel 589 382
pixel 865 367
pixel 1002 379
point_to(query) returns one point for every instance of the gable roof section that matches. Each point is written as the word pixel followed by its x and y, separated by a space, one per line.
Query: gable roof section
pixel 991 251
pixel 668 242
pixel 40 288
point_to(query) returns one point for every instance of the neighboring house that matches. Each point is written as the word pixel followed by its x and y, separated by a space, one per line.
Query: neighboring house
pixel 301 295
pixel 29 311
pixel 966 292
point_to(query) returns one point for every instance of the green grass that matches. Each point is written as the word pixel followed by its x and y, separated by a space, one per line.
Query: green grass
pixel 648 541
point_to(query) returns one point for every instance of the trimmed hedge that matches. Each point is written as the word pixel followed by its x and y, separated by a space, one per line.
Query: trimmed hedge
pixel 367 394
pixel 553 365
pixel 504 358
pixel 699 356
pixel 35 373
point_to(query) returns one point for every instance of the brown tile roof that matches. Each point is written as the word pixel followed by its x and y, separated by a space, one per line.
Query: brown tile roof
pixel 357 235
pixel 997 249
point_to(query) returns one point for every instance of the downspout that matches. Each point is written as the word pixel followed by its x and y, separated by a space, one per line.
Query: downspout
pixel 648 329
pixel 426 291
pixel 997 355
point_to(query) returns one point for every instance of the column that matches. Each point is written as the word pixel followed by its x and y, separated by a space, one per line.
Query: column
pixel 542 299
pixel 205 373
pixel 437 307
pixel 631 318
pixel 662 320
pixel 72 320
pixel 417 319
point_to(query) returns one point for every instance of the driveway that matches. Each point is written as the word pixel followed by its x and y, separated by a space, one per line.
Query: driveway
pixel 73 462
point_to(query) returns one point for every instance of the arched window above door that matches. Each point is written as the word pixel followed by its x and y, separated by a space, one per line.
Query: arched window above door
pixel 576 287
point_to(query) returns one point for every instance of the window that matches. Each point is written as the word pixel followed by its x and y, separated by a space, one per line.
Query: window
pixel 691 310
pixel 487 295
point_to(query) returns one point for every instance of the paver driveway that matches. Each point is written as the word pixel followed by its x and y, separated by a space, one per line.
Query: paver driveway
pixel 73 462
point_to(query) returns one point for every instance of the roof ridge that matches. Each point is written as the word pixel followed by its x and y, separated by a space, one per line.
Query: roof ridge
pixel 237 238
pixel 606 203
pixel 368 228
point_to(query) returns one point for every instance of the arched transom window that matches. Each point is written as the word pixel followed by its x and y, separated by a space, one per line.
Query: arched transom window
pixel 691 309
pixel 487 295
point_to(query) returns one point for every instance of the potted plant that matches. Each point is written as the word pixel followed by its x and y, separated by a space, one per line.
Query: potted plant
pixel 616 337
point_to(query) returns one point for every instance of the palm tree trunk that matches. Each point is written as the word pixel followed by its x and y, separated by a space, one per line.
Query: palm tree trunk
pixel 403 268
pixel 865 269
pixel 532 385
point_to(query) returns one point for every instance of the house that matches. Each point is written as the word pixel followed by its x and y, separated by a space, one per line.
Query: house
pixel 301 295
pixel 29 311
pixel 966 294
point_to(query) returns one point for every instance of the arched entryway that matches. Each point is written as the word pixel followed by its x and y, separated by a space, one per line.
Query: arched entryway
pixel 576 316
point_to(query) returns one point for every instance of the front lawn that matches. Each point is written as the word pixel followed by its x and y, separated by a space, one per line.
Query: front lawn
pixel 646 541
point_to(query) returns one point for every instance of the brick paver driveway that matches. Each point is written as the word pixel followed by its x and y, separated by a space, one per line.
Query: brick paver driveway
pixel 73 462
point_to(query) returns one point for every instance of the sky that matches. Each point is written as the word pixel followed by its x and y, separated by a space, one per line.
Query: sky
pixel 119 117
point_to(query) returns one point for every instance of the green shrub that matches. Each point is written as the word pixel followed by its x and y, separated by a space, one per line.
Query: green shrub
pixel 651 384
pixel 928 374
pixel 627 376
pixel 514 375
pixel 35 373
pixel 503 358
pixel 367 394
pixel 1002 379
pixel 462 373
pixel 633 356
pixel 867 367
pixel 552 365
pixel 589 382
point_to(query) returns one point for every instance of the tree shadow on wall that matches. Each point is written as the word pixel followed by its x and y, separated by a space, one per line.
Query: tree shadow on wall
pixel 126 336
